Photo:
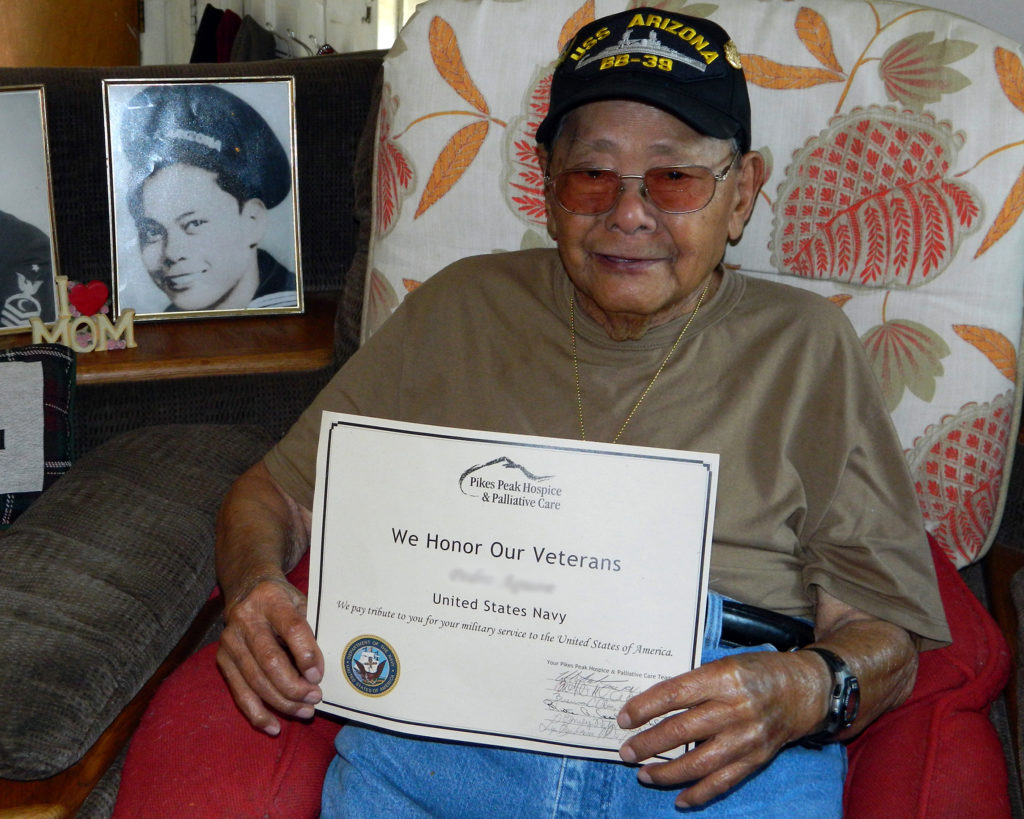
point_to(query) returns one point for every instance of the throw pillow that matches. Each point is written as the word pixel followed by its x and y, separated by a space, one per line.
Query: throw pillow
pixel 894 190
pixel 37 388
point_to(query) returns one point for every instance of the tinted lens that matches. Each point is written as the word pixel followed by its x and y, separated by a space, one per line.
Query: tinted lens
pixel 677 189
pixel 680 189
pixel 587 191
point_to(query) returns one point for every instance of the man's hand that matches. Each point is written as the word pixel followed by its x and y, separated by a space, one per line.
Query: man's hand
pixel 267 654
pixel 269 657
pixel 742 709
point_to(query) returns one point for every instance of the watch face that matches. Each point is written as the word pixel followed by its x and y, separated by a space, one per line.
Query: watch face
pixel 844 702
pixel 852 702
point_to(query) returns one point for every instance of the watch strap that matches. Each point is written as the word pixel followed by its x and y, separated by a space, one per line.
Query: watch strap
pixel 844 698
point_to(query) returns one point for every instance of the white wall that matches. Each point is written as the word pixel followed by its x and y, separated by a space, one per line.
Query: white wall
pixel 346 26
pixel 170 24
pixel 301 20
pixel 169 32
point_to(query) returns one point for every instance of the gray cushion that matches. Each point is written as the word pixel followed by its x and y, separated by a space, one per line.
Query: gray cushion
pixel 100 578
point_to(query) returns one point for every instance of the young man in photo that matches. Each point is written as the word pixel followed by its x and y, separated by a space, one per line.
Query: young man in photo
pixel 205 170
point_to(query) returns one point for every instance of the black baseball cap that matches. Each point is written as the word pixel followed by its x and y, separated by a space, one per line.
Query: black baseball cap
pixel 207 126
pixel 687 66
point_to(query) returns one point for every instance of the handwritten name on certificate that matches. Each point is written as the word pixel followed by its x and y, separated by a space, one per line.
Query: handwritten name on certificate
pixel 502 589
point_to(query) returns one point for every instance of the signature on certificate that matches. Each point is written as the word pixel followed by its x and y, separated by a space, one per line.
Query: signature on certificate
pixel 585 704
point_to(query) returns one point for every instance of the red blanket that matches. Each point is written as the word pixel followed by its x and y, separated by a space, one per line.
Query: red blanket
pixel 937 755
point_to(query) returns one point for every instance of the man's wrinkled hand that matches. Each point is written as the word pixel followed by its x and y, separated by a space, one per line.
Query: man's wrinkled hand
pixel 741 710
pixel 269 656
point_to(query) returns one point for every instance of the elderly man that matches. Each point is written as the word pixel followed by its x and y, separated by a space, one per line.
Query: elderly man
pixel 633 331
pixel 206 169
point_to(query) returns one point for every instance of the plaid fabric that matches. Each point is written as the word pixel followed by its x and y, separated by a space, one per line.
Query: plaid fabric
pixel 58 364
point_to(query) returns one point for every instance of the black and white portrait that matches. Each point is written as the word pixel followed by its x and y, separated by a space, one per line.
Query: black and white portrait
pixel 27 258
pixel 203 197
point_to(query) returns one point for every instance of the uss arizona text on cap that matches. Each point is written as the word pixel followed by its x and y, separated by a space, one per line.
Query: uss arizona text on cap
pixel 687 66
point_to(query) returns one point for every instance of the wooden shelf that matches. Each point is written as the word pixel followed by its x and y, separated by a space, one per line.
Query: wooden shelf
pixel 216 346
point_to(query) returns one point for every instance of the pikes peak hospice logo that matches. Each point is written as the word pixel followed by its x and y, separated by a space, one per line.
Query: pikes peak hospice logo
pixel 504 482
pixel 370 665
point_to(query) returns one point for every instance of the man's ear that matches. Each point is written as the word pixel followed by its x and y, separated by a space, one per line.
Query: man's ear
pixel 544 158
pixel 750 173
pixel 254 221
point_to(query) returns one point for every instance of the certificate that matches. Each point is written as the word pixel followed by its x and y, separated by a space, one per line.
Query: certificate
pixel 504 589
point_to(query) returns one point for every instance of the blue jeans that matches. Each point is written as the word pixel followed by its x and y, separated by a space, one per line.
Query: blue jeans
pixel 380 774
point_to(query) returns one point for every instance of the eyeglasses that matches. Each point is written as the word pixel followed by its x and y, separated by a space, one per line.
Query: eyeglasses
pixel 672 189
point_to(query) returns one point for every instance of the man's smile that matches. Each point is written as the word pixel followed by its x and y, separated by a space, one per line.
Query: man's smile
pixel 625 261
pixel 178 282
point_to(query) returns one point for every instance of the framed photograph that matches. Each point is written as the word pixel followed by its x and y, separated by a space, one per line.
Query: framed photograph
pixel 28 254
pixel 203 197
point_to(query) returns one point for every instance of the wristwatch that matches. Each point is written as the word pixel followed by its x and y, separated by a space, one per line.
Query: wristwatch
pixel 844 699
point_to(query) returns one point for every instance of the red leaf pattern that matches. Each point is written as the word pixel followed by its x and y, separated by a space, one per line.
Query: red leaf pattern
pixel 394 172
pixel 868 201
pixel 957 470
pixel 524 180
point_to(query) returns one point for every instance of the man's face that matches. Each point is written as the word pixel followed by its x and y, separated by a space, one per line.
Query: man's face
pixel 635 266
pixel 197 243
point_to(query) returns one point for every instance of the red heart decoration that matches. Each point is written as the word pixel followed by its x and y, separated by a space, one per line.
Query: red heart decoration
pixel 89 298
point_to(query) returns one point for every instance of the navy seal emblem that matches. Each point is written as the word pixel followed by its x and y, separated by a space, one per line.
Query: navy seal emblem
pixel 370 665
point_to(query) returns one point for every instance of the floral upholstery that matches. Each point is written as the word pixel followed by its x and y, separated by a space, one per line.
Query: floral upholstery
pixel 894 136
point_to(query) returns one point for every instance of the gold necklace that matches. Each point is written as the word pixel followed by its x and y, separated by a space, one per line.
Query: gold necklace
pixel 647 389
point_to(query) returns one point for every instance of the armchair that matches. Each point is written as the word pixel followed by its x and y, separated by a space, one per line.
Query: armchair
pixel 894 136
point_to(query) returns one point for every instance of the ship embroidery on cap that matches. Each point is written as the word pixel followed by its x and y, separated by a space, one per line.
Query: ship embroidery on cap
pixel 652 45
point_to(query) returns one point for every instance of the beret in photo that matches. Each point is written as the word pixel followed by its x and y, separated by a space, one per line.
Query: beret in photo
pixel 211 128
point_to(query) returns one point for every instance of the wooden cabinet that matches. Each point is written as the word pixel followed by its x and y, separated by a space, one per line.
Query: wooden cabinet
pixel 69 32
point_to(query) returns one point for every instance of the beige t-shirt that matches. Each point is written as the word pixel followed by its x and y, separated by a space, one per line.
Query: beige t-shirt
pixel 812 487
